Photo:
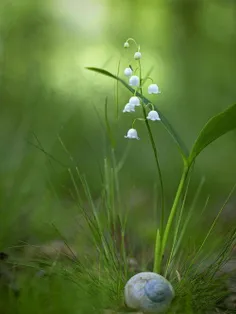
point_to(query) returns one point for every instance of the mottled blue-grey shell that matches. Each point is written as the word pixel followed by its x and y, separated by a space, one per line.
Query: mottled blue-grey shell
pixel 148 292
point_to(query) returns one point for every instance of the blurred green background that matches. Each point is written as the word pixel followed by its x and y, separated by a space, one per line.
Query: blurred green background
pixel 45 92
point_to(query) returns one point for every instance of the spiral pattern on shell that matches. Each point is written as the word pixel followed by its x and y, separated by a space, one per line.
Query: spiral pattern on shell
pixel 148 292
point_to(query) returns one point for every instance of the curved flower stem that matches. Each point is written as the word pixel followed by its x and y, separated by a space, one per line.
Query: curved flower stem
pixel 148 78
pixel 158 245
pixel 140 119
pixel 152 106
pixel 131 39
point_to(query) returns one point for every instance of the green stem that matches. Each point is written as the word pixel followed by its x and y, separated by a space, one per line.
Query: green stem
pixel 158 169
pixel 155 153
pixel 131 39
pixel 157 253
pixel 174 207
pixel 140 77
pixel 158 244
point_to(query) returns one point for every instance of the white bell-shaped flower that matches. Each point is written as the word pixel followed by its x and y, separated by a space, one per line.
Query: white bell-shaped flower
pixel 129 108
pixel 134 81
pixel 137 55
pixel 128 72
pixel 126 44
pixel 132 134
pixel 134 100
pixel 153 115
pixel 153 89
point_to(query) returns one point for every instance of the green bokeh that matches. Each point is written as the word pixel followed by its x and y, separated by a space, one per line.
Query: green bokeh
pixel 45 92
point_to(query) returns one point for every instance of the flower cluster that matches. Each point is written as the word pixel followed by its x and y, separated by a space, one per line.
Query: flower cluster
pixel 136 82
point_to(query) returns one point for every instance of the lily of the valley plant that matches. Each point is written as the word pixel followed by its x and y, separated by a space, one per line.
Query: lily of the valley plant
pixel 150 114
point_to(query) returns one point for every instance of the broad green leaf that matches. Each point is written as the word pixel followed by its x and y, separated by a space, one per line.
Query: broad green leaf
pixel 183 150
pixel 215 128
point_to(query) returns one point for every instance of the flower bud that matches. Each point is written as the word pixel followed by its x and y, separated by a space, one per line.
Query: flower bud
pixel 137 55
pixel 128 72
pixel 134 81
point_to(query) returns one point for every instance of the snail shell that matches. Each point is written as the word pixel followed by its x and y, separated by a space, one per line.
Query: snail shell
pixel 148 292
